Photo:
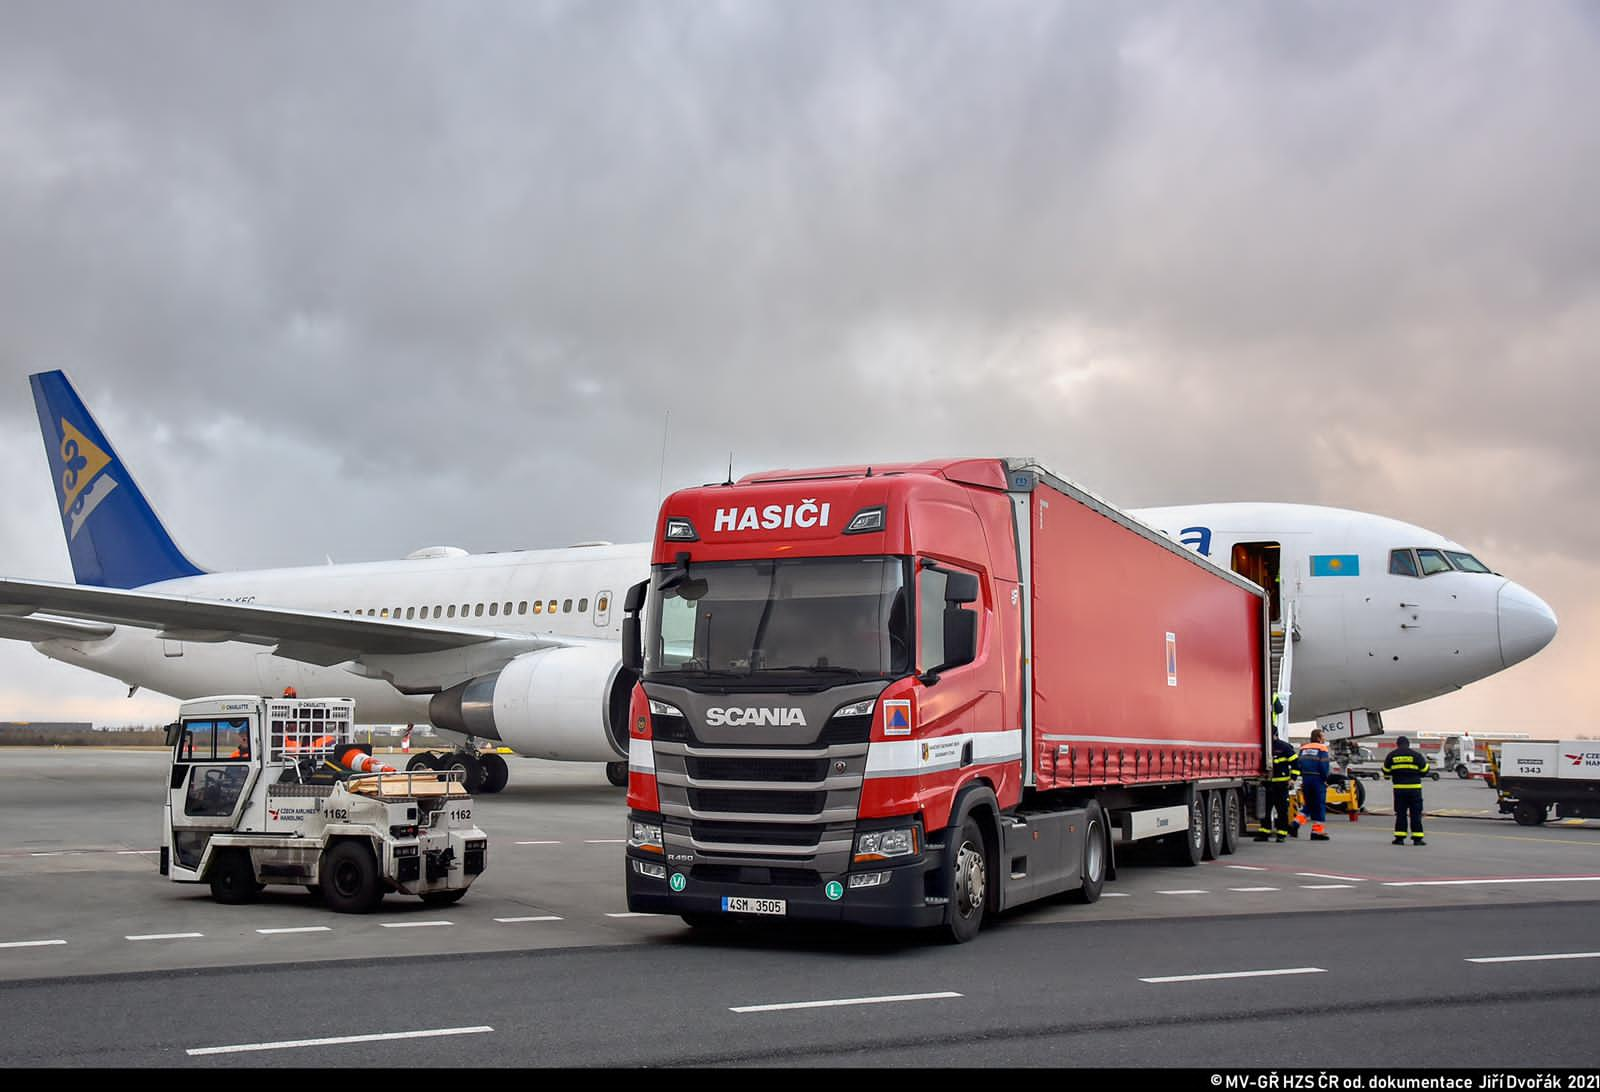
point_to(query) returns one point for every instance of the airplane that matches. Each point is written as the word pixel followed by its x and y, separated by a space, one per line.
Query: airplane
pixel 524 647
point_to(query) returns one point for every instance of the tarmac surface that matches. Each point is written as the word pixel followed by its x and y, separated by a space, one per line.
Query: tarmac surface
pixel 543 952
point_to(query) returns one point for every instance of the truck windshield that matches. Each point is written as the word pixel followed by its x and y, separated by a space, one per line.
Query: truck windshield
pixel 787 618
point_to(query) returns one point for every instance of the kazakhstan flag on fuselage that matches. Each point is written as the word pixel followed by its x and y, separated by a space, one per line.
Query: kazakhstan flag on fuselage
pixel 1335 564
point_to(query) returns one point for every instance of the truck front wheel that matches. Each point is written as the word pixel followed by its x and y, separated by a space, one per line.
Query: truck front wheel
pixel 1529 814
pixel 350 882
pixel 617 774
pixel 969 883
pixel 233 878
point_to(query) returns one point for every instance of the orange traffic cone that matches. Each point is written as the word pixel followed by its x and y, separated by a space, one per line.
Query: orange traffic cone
pixel 361 762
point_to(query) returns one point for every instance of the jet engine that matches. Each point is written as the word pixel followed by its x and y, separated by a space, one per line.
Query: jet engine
pixel 569 704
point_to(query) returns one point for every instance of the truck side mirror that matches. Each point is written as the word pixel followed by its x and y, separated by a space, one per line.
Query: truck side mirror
pixel 174 733
pixel 960 637
pixel 960 588
pixel 632 647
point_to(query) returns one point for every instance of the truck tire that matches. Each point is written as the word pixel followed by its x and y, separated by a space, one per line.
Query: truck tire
pixel 423 761
pixel 495 772
pixel 1095 856
pixel 1232 820
pixel 968 874
pixel 1188 847
pixel 1214 825
pixel 443 898
pixel 1529 814
pixel 1462 772
pixel 470 768
pixel 233 878
pixel 617 774
pixel 350 881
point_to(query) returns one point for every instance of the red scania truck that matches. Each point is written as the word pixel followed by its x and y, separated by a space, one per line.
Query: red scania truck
pixel 914 695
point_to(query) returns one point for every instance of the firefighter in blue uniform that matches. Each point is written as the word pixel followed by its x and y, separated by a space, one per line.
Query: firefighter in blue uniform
pixel 1406 769
pixel 1315 763
pixel 1285 768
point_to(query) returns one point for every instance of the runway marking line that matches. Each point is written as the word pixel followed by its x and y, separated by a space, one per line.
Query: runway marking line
pixel 1248 867
pixel 1534 958
pixel 537 843
pixel 1235 974
pixel 296 929
pixel 1325 886
pixel 604 841
pixel 630 914
pixel 515 921
pixel 1254 889
pixel 1115 895
pixel 29 943
pixel 412 924
pixel 339 1040
pixel 1185 891
pixel 844 1001
pixel 1329 876
pixel 1492 879
pixel 162 936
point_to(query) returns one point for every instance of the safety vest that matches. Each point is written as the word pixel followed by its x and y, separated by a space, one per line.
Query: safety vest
pixel 1406 769
pixel 1314 761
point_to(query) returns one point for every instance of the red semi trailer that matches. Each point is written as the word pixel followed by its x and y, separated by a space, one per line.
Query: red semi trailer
pixel 913 695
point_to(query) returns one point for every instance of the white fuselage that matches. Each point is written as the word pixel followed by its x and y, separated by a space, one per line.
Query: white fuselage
pixel 1371 640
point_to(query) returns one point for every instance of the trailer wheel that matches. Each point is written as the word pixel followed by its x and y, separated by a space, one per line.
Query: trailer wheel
pixel 495 772
pixel 617 774
pixel 350 882
pixel 1188 847
pixel 1094 857
pixel 1232 820
pixel 1529 814
pixel 423 761
pixel 443 898
pixel 1214 826
pixel 233 878
pixel 969 883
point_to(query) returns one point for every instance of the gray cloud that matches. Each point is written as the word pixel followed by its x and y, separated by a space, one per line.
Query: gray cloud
pixel 438 273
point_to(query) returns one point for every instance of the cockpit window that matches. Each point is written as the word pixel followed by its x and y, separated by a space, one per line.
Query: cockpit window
pixel 1402 563
pixel 1433 561
pixel 1466 562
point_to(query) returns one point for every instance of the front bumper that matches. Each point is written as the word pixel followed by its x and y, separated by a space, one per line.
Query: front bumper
pixel 911 899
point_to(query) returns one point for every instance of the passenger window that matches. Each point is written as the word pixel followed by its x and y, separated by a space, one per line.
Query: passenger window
pixel 452 612
pixel 411 612
pixel 385 613
pixel 1401 563
pixel 522 607
pixel 538 606
pixel 494 609
pixel 508 608
pixel 479 612
pixel 583 606
pixel 566 606
pixel 436 611
pixel 1432 562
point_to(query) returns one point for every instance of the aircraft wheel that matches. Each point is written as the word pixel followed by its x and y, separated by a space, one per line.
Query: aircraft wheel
pixel 617 774
pixel 495 772
pixel 470 768
pixel 423 761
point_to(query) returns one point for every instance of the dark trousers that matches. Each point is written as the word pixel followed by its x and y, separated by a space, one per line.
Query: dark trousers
pixel 1407 812
pixel 1276 821
pixel 1315 790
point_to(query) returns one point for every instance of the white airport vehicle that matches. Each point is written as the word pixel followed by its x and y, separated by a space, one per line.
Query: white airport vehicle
pixel 276 791
pixel 1534 777
pixel 524 648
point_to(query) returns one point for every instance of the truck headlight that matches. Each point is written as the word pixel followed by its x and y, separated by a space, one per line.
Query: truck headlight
pixel 645 836
pixel 880 845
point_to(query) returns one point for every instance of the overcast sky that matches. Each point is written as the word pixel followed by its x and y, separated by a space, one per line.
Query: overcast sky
pixel 436 273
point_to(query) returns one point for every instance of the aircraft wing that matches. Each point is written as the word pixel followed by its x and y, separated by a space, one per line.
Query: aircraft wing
pixel 33 610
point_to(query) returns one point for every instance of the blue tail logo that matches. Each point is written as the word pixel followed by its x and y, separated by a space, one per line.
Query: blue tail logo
pixel 113 534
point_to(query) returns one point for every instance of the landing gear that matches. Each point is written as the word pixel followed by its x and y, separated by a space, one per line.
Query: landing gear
pixel 423 761
pixel 617 774
pixel 495 772
pixel 467 764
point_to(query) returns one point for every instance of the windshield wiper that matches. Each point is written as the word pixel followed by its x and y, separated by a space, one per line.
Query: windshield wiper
pixel 702 673
pixel 830 669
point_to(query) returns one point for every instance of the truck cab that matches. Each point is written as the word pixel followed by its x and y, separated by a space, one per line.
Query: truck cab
pixel 275 791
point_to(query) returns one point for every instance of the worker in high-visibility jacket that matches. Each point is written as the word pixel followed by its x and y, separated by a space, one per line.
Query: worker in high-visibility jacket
pixel 1285 768
pixel 1315 762
pixel 1406 769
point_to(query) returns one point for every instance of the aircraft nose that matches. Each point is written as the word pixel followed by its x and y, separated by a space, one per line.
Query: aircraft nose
pixel 1527 623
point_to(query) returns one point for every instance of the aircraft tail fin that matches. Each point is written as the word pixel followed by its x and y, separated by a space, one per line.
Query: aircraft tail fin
pixel 114 536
